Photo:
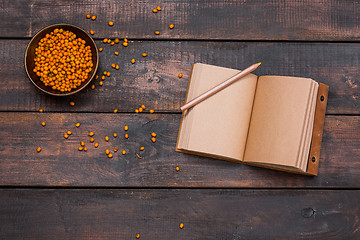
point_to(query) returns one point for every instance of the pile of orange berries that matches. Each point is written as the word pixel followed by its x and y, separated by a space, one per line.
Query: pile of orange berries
pixel 62 61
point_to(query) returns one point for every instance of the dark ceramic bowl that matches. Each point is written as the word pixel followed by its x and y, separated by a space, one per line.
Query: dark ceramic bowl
pixel 30 55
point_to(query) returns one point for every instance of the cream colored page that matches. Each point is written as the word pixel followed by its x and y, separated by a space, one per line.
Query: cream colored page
pixel 218 125
pixel 278 120
pixel 305 128
pixel 309 130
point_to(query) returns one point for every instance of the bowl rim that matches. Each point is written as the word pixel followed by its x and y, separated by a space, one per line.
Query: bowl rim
pixel 77 89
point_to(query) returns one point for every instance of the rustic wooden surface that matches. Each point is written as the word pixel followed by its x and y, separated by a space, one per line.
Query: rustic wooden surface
pixel 154 81
pixel 61 193
pixel 156 214
pixel 60 163
pixel 231 20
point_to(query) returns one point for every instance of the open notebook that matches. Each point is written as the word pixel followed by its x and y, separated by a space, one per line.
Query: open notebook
pixel 269 121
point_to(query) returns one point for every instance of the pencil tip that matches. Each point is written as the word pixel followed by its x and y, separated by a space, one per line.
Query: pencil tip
pixel 259 63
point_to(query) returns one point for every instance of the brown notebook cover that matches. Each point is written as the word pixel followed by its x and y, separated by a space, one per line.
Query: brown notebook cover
pixel 314 154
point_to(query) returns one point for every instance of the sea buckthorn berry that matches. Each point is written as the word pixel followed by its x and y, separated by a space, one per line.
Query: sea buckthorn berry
pixel 116 53
pixel 115 135
pixel 97 76
pixel 72 103
pixel 41 110
pixel 110 155
pixel 100 49
pixel 96 145
pixel 115 149
pixel 144 54
pixel 158 8
pixel 123 152
pixel 77 125
pixel 69 132
pixel 103 77
pixel 138 235
pixel 85 149
pixel 80 148
pixel 92 139
pixel 153 134
pixel 181 225
pixel 91 32
pixel 136 110
pixel 105 72
pixel 151 111
pixel 125 44
pixel 43 124
pixel 108 74
pixel 180 75
pixel 101 83
pixel 106 138
pixel 143 106
pixel 153 139
pixel 171 26
pixel 88 16
pixel 93 18
pixel 105 40
pixel 117 67
pixel 91 134
pixel 109 40
pixel 157 32
pixel 115 110
pixel 142 148
pixel 140 109
pixel 177 169
pixel 66 136
pixel 38 149
pixel 125 40
pixel 112 43
pixel 107 151
pixel 111 23
pixel 113 65
pixel 93 86
pixel 82 143
pixel 116 40
pixel 133 61
pixel 154 10
pixel 126 135
pixel 126 128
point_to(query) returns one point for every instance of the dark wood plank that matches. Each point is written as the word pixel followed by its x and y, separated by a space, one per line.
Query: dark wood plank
pixel 60 163
pixel 154 81
pixel 242 20
pixel 156 214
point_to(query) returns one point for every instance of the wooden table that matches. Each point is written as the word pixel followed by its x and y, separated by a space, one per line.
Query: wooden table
pixel 62 193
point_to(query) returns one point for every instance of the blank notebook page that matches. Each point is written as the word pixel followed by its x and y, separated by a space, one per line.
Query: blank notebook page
pixel 218 125
pixel 278 120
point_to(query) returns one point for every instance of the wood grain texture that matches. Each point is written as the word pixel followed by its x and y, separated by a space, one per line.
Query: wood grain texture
pixel 154 81
pixel 60 163
pixel 156 214
pixel 239 20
